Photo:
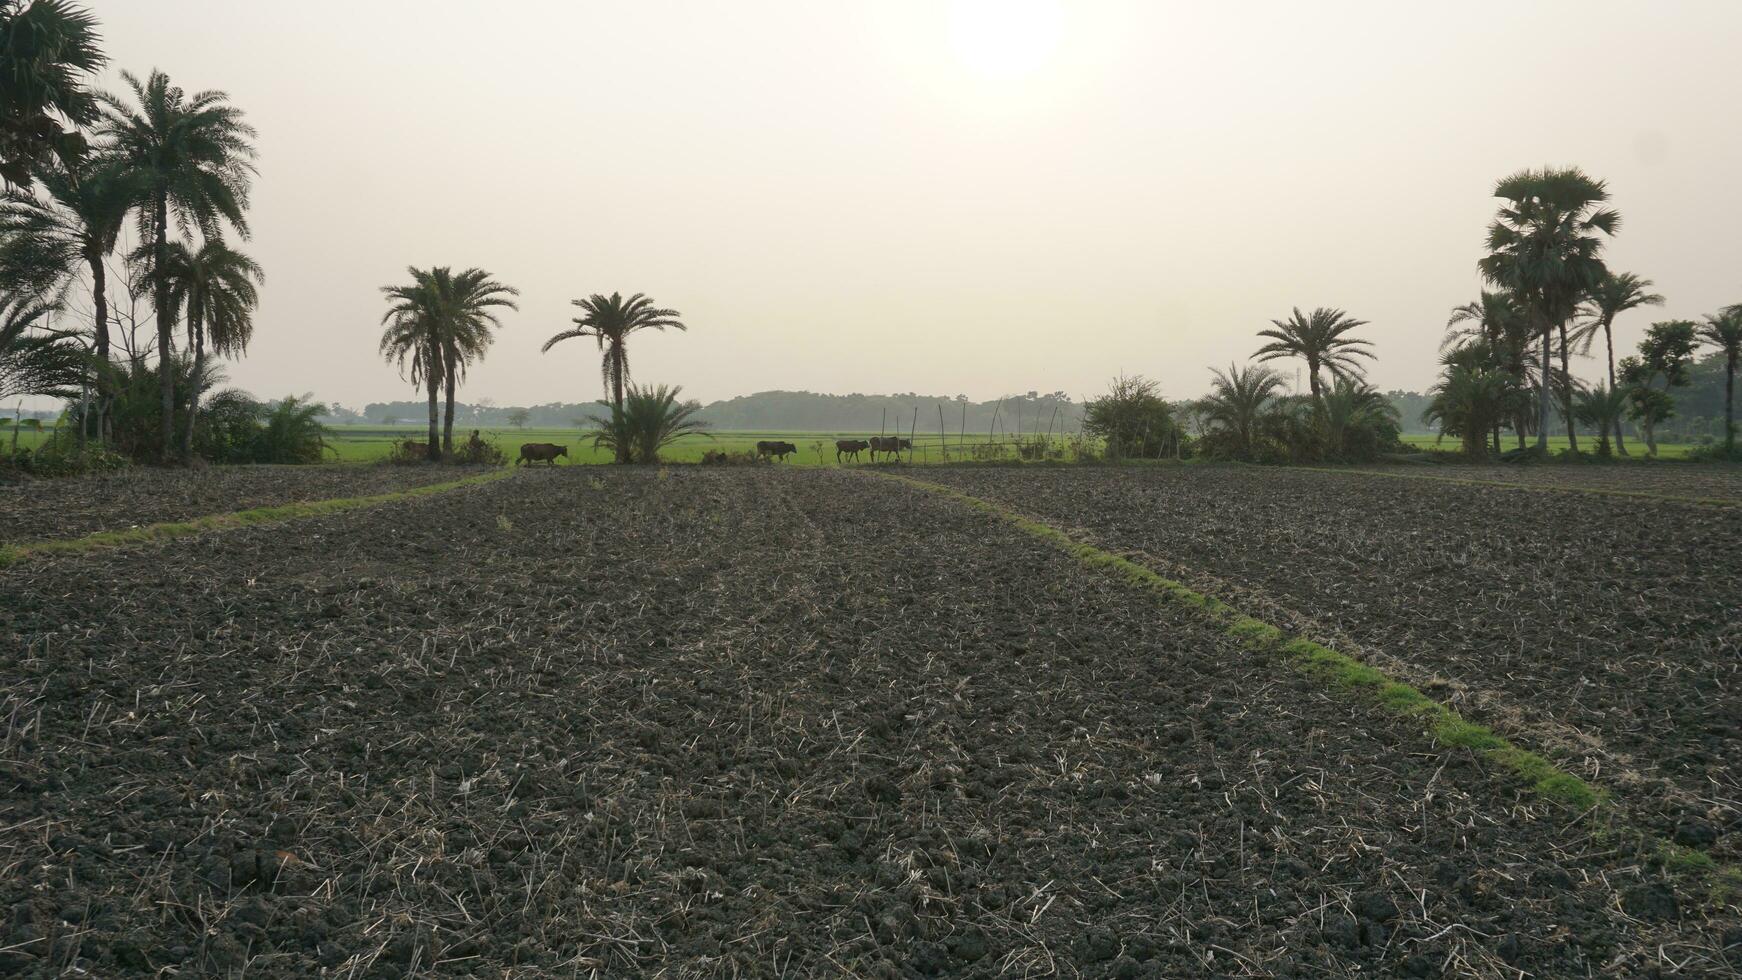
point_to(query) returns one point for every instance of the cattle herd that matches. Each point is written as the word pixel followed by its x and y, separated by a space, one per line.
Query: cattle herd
pixel 845 449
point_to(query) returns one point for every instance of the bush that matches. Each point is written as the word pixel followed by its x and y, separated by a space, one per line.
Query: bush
pixel 651 419
pixel 56 460
pixel 234 428
pixel 476 452
pixel 1133 418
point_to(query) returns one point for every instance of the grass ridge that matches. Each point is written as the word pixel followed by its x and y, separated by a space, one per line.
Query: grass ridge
pixel 277 513
pixel 1345 673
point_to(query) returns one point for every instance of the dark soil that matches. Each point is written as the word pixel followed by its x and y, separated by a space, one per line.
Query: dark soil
pixel 1670 478
pixel 1615 623
pixel 40 509
pixel 736 723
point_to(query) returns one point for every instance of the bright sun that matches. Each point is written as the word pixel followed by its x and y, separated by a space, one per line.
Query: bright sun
pixel 1005 38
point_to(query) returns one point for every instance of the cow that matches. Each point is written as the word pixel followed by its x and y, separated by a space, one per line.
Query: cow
pixel 888 444
pixel 849 448
pixel 778 449
pixel 715 457
pixel 533 452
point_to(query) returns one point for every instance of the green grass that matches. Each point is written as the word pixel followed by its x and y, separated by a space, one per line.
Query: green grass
pixel 1665 450
pixel 362 443
pixel 1338 671
pixel 167 530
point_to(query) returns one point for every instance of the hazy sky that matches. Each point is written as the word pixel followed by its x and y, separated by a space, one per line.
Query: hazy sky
pixel 944 197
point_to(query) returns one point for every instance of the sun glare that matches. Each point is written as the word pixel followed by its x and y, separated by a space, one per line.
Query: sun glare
pixel 1005 38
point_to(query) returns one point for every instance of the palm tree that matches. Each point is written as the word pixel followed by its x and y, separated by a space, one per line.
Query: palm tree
pixel 1603 407
pixel 1724 332
pixel 1350 403
pixel 650 420
pixel 35 359
pixel 610 320
pixel 47 47
pixel 1497 327
pixel 1318 339
pixel 194 161
pixel 413 336
pixel 216 286
pixel 1238 402
pixel 1470 397
pixel 78 222
pixel 1615 294
pixel 1542 246
pixel 468 319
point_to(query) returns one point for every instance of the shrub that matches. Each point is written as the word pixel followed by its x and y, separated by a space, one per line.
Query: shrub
pixel 1134 419
pixel 650 420
pixel 476 452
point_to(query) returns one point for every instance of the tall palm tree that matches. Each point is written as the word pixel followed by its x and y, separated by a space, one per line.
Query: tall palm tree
pixel 217 287
pixel 651 419
pixel 47 50
pixel 467 305
pixel 1320 340
pixel 1724 332
pixel 194 159
pixel 1238 402
pixel 1614 294
pixel 413 337
pixel 1496 326
pixel 610 320
pixel 1543 246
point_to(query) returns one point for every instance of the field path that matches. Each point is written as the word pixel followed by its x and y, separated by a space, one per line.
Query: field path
pixel 737 722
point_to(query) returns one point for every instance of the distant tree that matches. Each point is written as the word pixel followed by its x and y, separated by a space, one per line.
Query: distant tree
pixel 48 51
pixel 650 420
pixel 1724 332
pixel 1665 353
pixel 1320 339
pixel 518 417
pixel 1237 405
pixel 216 287
pixel 193 159
pixel 1543 247
pixel 1614 294
pixel 611 320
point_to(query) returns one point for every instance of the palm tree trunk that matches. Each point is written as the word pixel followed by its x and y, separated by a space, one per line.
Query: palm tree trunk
pixel 1567 391
pixel 1542 397
pixel 619 358
pixel 165 320
pixel 100 340
pixel 1609 342
pixel 448 412
pixel 433 450
pixel 198 331
pixel 1730 404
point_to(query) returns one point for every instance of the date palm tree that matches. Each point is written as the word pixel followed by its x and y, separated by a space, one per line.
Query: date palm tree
pixel 193 157
pixel 1602 407
pixel 75 223
pixel 468 304
pixel 1614 295
pixel 650 420
pixel 36 359
pixel 1320 339
pixel 611 320
pixel 48 48
pixel 1543 246
pixel 1470 397
pixel 216 286
pixel 413 339
pixel 1238 402
pixel 1724 332
pixel 1496 326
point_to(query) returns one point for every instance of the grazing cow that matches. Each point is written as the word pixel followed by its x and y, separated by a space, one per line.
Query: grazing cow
pixel 849 448
pixel 533 452
pixel 775 448
pixel 412 449
pixel 888 444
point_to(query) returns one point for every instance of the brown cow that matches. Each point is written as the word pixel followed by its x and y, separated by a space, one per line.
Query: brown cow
pixel 769 447
pixel 849 448
pixel 533 452
pixel 888 444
